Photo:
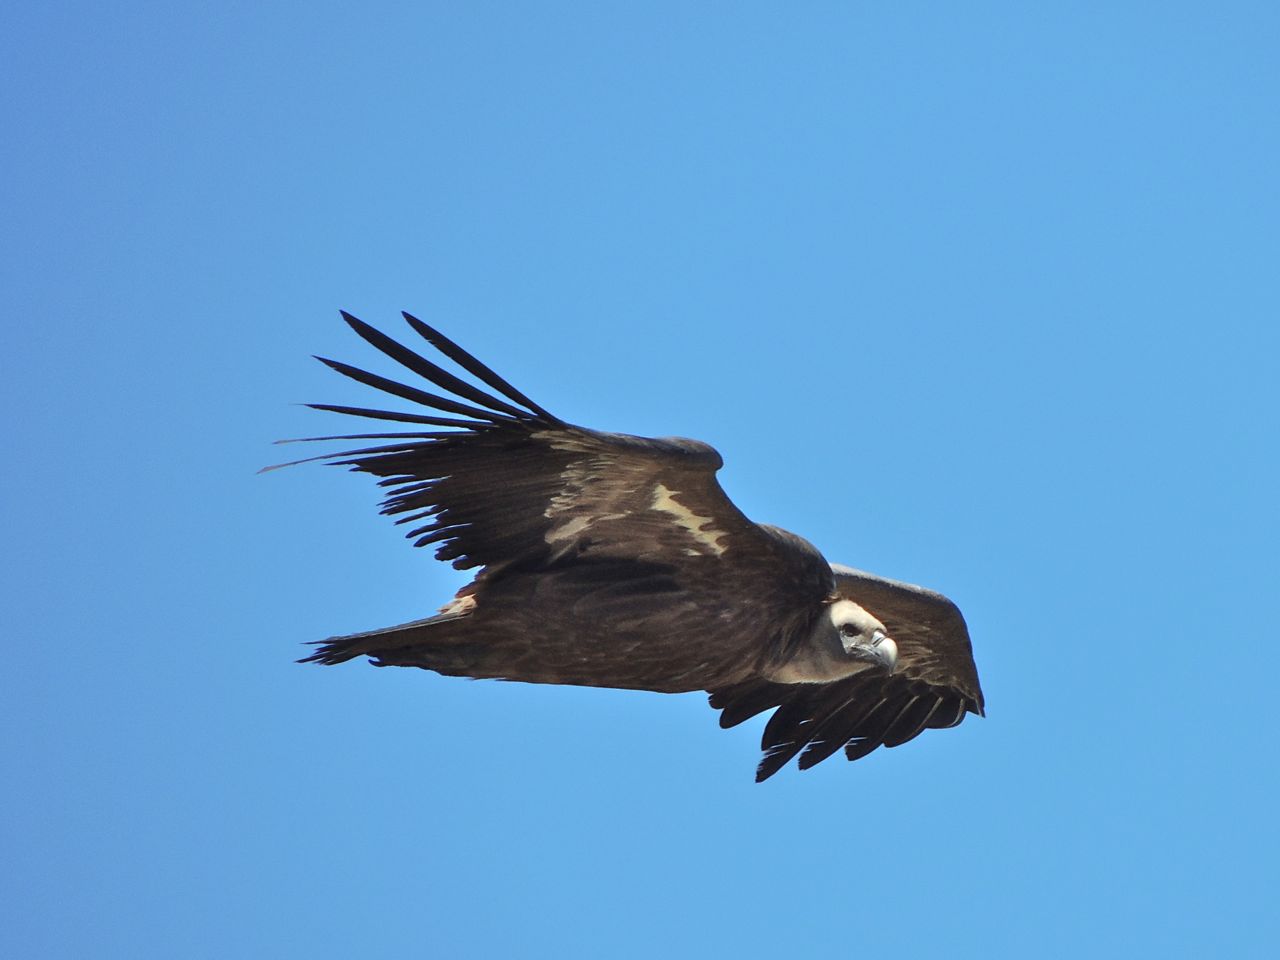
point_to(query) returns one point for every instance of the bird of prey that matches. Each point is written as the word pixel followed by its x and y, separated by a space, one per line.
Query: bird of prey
pixel 609 560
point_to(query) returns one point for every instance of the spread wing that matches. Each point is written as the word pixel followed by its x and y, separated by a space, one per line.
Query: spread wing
pixel 935 684
pixel 501 483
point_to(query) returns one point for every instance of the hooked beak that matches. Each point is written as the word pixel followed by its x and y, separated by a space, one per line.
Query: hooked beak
pixel 881 650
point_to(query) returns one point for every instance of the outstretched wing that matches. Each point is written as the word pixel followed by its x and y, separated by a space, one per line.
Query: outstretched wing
pixel 935 684
pixel 505 484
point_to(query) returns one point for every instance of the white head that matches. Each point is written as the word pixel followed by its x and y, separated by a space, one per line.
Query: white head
pixel 862 636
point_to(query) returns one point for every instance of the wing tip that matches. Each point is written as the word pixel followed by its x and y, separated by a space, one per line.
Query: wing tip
pixel 332 651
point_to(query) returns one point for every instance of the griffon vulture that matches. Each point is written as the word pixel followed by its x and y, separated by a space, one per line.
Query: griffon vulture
pixel 609 560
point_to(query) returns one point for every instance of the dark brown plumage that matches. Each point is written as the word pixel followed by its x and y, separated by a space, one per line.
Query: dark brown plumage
pixel 617 561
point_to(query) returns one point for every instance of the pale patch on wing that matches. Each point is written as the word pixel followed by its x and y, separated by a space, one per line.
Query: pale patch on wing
pixel 599 486
pixel 459 606
pixel 664 501
pixel 580 503
pixel 569 529
pixel 565 510
pixel 567 441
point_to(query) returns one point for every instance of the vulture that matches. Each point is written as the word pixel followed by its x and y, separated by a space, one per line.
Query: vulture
pixel 610 560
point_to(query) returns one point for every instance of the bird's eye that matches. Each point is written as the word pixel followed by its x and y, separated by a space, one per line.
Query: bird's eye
pixel 848 630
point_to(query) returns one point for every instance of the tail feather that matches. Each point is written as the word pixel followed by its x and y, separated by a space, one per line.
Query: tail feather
pixel 384 644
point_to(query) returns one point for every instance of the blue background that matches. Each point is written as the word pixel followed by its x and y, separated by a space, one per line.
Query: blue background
pixel 981 296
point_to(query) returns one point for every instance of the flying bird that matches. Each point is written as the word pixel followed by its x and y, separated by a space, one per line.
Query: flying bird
pixel 610 560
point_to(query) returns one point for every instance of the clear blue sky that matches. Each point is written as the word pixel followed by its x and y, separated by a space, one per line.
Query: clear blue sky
pixel 980 296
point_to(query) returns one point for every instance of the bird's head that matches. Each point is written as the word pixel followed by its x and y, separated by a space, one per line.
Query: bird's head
pixel 862 636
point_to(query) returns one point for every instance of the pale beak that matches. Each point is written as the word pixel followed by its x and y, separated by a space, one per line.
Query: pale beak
pixel 881 651
pixel 885 650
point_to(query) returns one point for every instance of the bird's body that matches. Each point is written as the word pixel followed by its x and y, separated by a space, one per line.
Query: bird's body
pixel 617 561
